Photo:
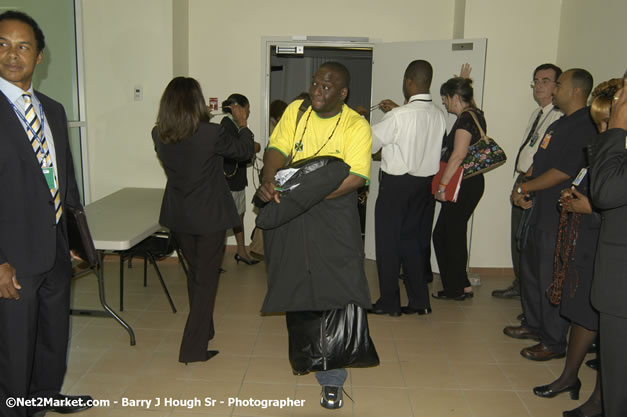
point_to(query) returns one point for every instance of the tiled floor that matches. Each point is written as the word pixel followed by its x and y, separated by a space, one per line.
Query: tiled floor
pixel 455 362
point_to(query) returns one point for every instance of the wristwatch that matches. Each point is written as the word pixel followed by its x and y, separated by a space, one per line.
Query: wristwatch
pixel 519 189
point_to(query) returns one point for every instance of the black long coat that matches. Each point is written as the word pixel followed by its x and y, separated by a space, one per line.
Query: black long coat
pixel 313 247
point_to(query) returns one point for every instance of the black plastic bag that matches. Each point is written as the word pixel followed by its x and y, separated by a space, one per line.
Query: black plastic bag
pixel 332 339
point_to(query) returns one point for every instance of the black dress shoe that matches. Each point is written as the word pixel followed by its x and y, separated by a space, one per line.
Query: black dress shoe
pixel 419 311
pixel 546 391
pixel 520 317
pixel 379 311
pixel 593 363
pixel 68 404
pixel 239 258
pixel 441 295
pixel 510 292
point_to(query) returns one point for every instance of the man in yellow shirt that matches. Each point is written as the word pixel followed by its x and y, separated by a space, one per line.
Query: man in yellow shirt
pixel 327 128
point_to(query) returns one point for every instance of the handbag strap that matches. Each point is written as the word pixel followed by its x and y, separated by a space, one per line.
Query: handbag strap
pixel 484 137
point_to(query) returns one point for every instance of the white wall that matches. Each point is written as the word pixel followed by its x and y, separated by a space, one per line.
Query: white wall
pixel 521 35
pixel 592 36
pixel 126 43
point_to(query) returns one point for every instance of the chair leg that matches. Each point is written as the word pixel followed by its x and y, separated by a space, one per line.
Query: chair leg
pixel 165 289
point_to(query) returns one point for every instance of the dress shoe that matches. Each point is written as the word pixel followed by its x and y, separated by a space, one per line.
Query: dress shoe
pixel 540 352
pixel 441 295
pixel 593 363
pixel 469 294
pixel 546 391
pixel 210 354
pixel 67 404
pixel 578 413
pixel 419 311
pixel 520 317
pixel 379 311
pixel 520 332
pixel 239 258
pixel 510 292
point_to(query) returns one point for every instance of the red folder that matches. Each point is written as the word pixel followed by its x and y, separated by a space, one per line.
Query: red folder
pixel 452 188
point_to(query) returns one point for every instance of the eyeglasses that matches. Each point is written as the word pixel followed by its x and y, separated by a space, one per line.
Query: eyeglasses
pixel 544 81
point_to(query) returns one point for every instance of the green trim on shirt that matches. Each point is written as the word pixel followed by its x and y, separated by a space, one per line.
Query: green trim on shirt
pixel 278 150
pixel 359 175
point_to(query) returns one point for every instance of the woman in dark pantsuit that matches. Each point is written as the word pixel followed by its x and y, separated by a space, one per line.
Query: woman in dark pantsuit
pixel 449 235
pixel 197 205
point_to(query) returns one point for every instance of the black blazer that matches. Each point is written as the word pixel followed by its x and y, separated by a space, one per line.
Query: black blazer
pixel 608 176
pixel 27 219
pixel 197 199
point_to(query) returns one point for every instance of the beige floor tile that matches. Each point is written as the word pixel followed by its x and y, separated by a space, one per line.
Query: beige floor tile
pixel 438 403
pixel 496 404
pixel 239 323
pixel 220 368
pixel 213 397
pixel 386 349
pixel 234 343
pixel 509 351
pixel 480 376
pixel 420 350
pixel 387 374
pixel 468 352
pixel 270 371
pixel 429 374
pixel 377 402
pixel 121 361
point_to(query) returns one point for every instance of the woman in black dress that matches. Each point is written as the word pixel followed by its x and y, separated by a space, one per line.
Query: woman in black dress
pixel 449 235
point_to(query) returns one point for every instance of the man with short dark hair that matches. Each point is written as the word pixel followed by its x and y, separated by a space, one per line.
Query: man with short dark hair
pixel 543 85
pixel 322 269
pixel 38 186
pixel 410 137
pixel 560 157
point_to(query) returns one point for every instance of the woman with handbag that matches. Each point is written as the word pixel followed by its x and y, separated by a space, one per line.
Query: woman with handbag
pixel 449 235
pixel 197 205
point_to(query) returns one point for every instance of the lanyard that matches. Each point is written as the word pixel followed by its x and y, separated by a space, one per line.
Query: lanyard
pixel 23 118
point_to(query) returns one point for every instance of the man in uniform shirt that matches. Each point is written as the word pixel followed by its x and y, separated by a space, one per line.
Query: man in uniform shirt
pixel 560 157
pixel 411 139
pixel 544 78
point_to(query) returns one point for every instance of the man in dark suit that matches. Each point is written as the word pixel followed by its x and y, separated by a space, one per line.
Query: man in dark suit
pixel 38 185
pixel 608 176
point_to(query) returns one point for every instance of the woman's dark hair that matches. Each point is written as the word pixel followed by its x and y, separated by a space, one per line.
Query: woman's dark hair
pixel 235 98
pixel 24 18
pixel 181 110
pixel 460 86
pixel 277 108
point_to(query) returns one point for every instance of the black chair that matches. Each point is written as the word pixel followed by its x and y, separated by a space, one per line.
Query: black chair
pixel 153 248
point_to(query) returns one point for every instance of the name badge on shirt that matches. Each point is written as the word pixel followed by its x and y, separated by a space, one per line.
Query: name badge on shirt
pixel 49 175
pixel 546 140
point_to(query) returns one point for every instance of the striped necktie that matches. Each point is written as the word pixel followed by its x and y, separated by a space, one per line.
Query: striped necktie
pixel 40 147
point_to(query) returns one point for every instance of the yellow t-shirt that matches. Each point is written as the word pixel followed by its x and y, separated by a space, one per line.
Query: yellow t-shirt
pixel 350 137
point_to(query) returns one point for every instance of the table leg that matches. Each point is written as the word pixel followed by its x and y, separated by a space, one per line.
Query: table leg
pixel 108 311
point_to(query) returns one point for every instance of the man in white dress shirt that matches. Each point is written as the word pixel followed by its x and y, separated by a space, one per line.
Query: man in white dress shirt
pixel 543 84
pixel 410 137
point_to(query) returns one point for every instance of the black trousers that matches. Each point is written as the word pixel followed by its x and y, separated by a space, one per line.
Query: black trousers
pixel 400 239
pixel 204 254
pixel 613 331
pixel 34 333
pixel 517 213
pixel 449 236
pixel 536 275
